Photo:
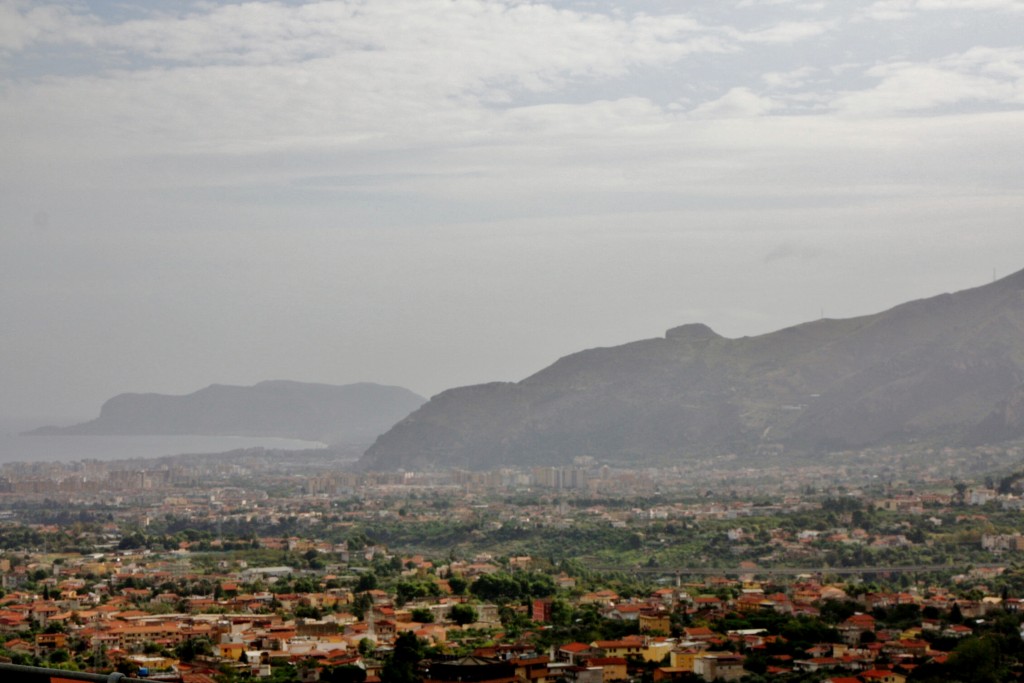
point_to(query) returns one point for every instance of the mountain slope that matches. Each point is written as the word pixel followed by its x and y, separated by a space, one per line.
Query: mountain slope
pixel 951 366
pixel 354 413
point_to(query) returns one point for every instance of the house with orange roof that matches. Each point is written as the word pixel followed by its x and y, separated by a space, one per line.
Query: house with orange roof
pixel 607 597
pixel 531 669
pixel 850 630
pixel 882 676
pixel 698 633
pixel 620 648
pixel 913 648
pixel 708 603
pixel 671 674
pixel 751 602
pixel 626 611
pixel 957 631
pixel 11 622
pixel 817 664
pixel 51 641
pixel 565 581
pixel 612 668
pixel 19 645
pixel 197 678
pixel 572 653
pixel 43 612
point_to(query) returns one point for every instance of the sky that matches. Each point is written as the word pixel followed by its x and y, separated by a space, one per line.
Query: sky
pixel 434 193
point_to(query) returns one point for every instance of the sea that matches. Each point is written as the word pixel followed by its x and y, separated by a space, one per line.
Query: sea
pixel 16 446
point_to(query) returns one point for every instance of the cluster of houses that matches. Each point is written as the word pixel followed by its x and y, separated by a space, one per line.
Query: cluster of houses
pixel 120 610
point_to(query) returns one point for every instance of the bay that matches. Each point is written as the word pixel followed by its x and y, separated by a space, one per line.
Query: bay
pixel 18 447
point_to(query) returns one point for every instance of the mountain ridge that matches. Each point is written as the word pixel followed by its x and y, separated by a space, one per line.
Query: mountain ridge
pixel 946 366
pixel 351 413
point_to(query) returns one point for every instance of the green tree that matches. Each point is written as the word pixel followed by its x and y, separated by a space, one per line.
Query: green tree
pixel 361 605
pixel 190 648
pixel 463 614
pixel 961 492
pixel 978 660
pixel 458 585
pixel 367 582
pixel 405 658
pixel 497 587
pixel 422 615
pixel 835 611
pixel 346 673
pixel 308 612
pixel 561 613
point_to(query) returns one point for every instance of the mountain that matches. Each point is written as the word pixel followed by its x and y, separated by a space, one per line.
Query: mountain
pixel 950 367
pixel 353 413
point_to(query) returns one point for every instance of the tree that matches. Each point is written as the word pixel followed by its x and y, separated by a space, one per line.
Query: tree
pixel 410 590
pixel 458 585
pixel 561 613
pixel 361 605
pixel 190 648
pixel 514 622
pixel 463 614
pixel 955 615
pixel 422 615
pixel 367 582
pixel 346 673
pixel 405 658
pixel 961 490
pixel 496 587
pixel 977 660
pixel 308 612
pixel 835 611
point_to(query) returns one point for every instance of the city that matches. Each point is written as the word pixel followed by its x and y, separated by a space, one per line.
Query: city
pixel 873 566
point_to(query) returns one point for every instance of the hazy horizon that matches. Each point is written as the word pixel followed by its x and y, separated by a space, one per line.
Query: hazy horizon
pixel 432 194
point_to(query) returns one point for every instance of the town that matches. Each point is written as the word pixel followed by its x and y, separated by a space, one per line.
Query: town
pixel 876 566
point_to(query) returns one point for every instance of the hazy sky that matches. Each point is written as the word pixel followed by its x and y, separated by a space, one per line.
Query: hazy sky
pixel 434 193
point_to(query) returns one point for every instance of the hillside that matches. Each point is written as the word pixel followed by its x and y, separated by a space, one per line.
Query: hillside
pixel 353 413
pixel 948 367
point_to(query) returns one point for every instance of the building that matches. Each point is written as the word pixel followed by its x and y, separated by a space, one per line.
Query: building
pixel 724 666
pixel 470 670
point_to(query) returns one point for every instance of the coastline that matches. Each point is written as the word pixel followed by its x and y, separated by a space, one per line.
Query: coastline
pixel 21 447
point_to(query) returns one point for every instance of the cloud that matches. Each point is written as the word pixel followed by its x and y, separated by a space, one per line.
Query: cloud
pixel 216 82
pixel 469 99
pixel 323 176
pixel 785 32
pixel 339 71
pixel 794 79
pixel 800 5
pixel 998 5
pixel 509 38
pixel 890 10
pixel 24 24
pixel 737 103
pixel 898 10
pixel 978 76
